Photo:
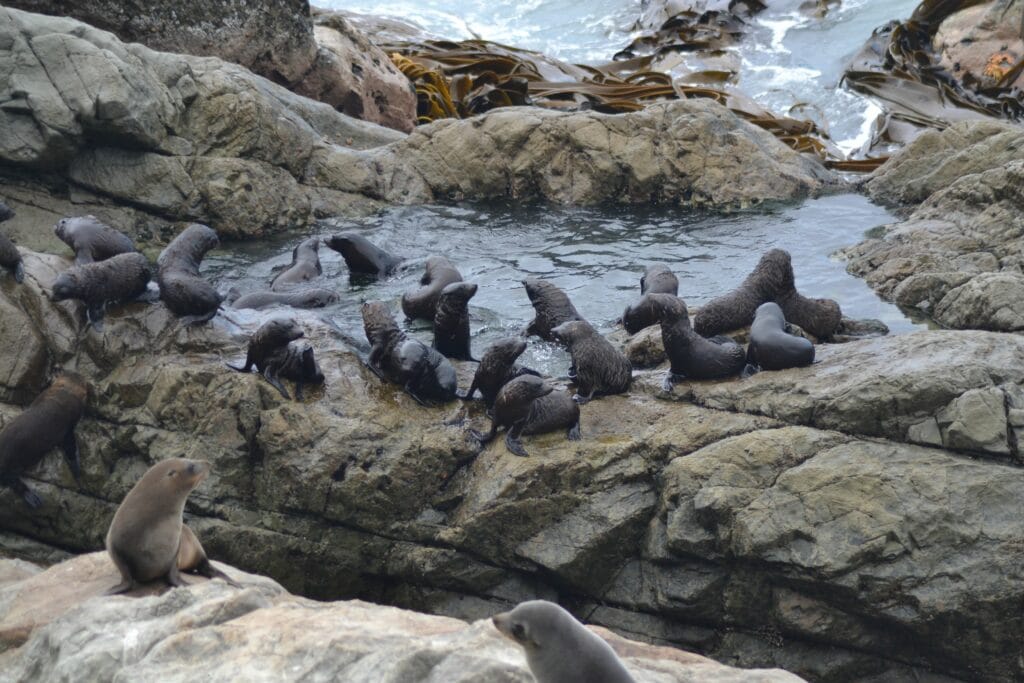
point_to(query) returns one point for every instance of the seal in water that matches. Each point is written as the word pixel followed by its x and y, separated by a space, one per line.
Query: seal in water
pixel 559 649
pixel 438 274
pixel 92 240
pixel 48 422
pixel 601 369
pixel 511 410
pixel 557 410
pixel 451 321
pixel 182 288
pixel 300 298
pixel 295 361
pixel 118 279
pixel 551 306
pixel 659 279
pixel 690 354
pixel 271 337
pixel 363 257
pixel 497 368
pixel 771 347
pixel 304 267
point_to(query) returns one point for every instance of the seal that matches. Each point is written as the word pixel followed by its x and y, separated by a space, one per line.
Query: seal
pixel 6 212
pixel 301 298
pixel 182 288
pixel 658 278
pixel 551 306
pixel 497 368
pixel 451 321
pixel 91 239
pixel 48 422
pixel 422 303
pixel 271 337
pixel 601 369
pixel 771 347
pixel 691 355
pixel 362 257
pixel 511 410
pixel 304 267
pixel 820 317
pixel 10 258
pixel 558 410
pixel 192 558
pixel 559 649
pixel 640 314
pixel 295 361
pixel 116 280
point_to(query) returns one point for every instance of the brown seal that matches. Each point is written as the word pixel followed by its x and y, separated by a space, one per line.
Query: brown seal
pixel 301 298
pixel 182 288
pixel 551 306
pixel 558 410
pixel 640 314
pixel 690 354
pixel 305 266
pixel 118 279
pixel 451 321
pixel 271 337
pixel 512 409
pixel 600 368
pixel 771 346
pixel 362 257
pixel 422 303
pixel 497 368
pixel 10 258
pixel 48 422
pixel 92 240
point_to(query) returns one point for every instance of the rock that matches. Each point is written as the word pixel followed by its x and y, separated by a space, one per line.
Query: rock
pixel 645 348
pixel 981 43
pixel 989 301
pixel 976 420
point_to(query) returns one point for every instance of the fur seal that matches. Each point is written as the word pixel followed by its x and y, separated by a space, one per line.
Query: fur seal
pixel 92 240
pixel 182 288
pixel 820 317
pixel 557 410
pixel 301 298
pixel 511 410
pixel 497 368
pixel 640 314
pixel 422 303
pixel 48 422
pixel 690 354
pixel 10 258
pixel 771 347
pixel 271 337
pixel 658 278
pixel 6 212
pixel 551 306
pixel 304 267
pixel 559 649
pixel 116 280
pixel 600 367
pixel 363 257
pixel 295 361
pixel 451 320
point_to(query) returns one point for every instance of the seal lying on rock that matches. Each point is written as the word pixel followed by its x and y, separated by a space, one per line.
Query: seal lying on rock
pixel 551 306
pixel 451 321
pixel 118 279
pixel 559 649
pixel 600 368
pixel 182 288
pixel 48 422
pixel 497 368
pixel 438 274
pixel 558 410
pixel 92 240
pixel 271 338
pixel 690 354
pixel 771 347
pixel 363 257
pixel 300 298
pixel 304 267
pixel 511 410
pixel 295 361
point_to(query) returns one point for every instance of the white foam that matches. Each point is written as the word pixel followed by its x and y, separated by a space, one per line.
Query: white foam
pixel 870 115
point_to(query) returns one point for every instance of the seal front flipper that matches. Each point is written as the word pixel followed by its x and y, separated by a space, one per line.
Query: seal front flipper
pixel 276 383
pixel 94 316
pixel 70 448
pixel 581 399
pixel 122 587
pixel 409 390
pixel 19 272
pixel 574 432
pixel 209 571
pixel 512 442
pixel 198 319
pixel 749 371
pixel 174 576
pixel 671 379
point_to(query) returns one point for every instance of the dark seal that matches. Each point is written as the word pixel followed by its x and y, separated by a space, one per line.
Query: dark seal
pixel 182 288
pixel 558 410
pixel 297 362
pixel 690 354
pixel 362 257
pixel 497 368
pixel 6 213
pixel 512 409
pixel 118 279
pixel 10 258
pixel 771 347
pixel 305 266
pixel 820 317
pixel 659 279
pixel 438 273
pixel 271 337
pixel 601 369
pixel 48 422
pixel 301 298
pixel 640 314
pixel 451 321
pixel 551 306
pixel 92 240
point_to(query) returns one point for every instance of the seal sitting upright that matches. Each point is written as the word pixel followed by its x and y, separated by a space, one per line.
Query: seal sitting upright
pixel 601 369
pixel 771 347
pixel 451 321
pixel 551 306
pixel 304 267
pixel 497 368
pixel 690 354
pixel 182 288
pixel 92 240
pixel 511 410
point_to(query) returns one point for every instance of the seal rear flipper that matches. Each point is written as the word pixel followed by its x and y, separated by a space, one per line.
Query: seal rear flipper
pixel 70 448
pixel 749 371
pixel 19 272
pixel 574 432
pixel 671 379
pixel 209 571
pixel 484 439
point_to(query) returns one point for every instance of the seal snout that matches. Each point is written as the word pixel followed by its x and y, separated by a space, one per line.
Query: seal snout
pixel 198 469
pixel 502 623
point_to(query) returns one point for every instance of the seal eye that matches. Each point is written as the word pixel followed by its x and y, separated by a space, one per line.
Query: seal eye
pixel 171 473
pixel 519 631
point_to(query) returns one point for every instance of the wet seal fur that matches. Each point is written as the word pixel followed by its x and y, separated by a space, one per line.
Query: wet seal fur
pixel 600 368
pixel 270 339
pixel 657 279
pixel 117 279
pixel 297 362
pixel 512 408
pixel 559 649
pixel 182 288
pixel 91 239
pixel 498 367
pixel 691 355
pixel 304 267
pixel 362 256
pixel 558 410
pixel 551 306
pixel 302 298
pixel 422 303
pixel 10 257
pixel 771 347
pixel 451 321
pixel 48 422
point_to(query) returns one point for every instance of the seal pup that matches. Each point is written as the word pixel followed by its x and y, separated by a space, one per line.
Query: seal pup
pixel 363 257
pixel 559 649
pixel 601 369
pixel 301 298
pixel 820 317
pixel 658 278
pixel 497 368
pixel 551 306
pixel 451 320
pixel 10 258
pixel 690 354
pixel 182 288
pixel 438 273
pixel 771 346
pixel 117 279
pixel 48 422
pixel 6 212
pixel 297 362
pixel 271 337
pixel 92 240
pixel 511 410
pixel 558 410
pixel 304 267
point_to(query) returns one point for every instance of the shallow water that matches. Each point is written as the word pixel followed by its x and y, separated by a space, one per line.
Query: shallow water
pixel 596 254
